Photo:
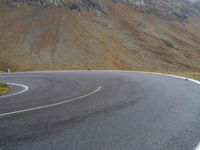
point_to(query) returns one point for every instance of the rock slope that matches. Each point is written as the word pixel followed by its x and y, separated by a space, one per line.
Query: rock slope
pixel 100 34
pixel 41 3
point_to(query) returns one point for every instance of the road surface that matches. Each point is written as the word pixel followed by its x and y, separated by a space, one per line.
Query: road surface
pixel 99 110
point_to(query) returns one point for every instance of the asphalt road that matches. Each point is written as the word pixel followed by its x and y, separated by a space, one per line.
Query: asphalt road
pixel 99 110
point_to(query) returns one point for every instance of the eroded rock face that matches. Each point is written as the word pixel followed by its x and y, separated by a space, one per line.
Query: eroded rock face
pixel 176 10
pixel 79 5
pixel 87 4
pixel 42 3
pixel 166 9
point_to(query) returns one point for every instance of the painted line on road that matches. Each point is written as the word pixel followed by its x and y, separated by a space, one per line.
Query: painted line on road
pixel 154 73
pixel 25 88
pixel 198 147
pixel 169 75
pixel 180 77
pixel 51 105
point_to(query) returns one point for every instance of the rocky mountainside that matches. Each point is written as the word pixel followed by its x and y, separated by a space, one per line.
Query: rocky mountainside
pixel 100 34
pixel 166 9
pixel 41 3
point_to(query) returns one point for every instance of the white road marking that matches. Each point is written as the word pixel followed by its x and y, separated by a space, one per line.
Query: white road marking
pixel 156 73
pixel 25 88
pixel 51 105
pixel 184 78
pixel 179 77
pixel 198 147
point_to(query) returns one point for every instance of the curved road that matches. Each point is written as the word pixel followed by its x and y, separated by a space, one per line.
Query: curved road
pixel 99 110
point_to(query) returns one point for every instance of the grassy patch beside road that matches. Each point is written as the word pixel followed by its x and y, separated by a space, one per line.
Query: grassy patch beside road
pixel 4 88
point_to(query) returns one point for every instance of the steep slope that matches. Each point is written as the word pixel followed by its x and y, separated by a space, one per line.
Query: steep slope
pixel 106 34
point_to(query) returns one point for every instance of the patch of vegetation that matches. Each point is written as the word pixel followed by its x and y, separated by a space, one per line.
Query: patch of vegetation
pixel 4 88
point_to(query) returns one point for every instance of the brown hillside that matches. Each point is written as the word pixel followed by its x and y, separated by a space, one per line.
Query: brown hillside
pixel 35 38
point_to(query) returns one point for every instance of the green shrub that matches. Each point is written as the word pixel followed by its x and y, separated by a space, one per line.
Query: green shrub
pixel 4 88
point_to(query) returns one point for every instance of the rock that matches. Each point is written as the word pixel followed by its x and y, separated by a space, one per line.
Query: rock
pixel 79 5
pixel 87 4
pixel 41 3
pixel 165 9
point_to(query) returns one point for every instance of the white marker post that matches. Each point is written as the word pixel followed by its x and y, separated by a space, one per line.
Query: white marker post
pixel 9 70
